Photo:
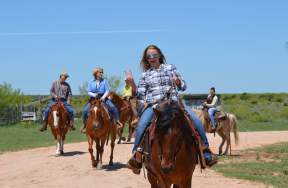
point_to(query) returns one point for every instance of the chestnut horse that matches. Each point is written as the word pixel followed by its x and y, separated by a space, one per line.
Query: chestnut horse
pixel 224 128
pixel 171 154
pixel 126 115
pixel 99 127
pixel 58 120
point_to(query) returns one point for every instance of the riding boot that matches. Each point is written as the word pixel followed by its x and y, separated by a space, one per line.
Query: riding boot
pixel 135 162
pixel 210 158
pixel 83 128
pixel 120 125
pixel 44 126
pixel 72 128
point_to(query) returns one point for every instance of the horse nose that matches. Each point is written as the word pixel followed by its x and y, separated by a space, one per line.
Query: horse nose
pixel 166 169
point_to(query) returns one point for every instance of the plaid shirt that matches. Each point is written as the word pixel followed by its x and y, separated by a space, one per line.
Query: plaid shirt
pixel 155 83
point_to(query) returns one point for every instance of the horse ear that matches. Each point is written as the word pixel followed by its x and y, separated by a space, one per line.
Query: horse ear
pixel 156 111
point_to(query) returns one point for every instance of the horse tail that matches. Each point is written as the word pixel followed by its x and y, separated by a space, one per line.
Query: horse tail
pixel 234 126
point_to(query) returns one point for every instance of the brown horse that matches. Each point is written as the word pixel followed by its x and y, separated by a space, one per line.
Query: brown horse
pixel 225 126
pixel 58 120
pixel 99 127
pixel 126 115
pixel 171 154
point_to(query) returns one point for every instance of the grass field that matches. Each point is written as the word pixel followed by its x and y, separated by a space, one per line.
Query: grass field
pixel 268 165
pixel 27 135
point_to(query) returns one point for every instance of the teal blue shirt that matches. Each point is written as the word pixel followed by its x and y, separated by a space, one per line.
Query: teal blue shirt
pixel 101 89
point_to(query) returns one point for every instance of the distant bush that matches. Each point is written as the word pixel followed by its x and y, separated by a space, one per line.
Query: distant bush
pixel 245 96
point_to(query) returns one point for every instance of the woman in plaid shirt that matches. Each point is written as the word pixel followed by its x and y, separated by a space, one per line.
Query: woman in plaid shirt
pixel 156 81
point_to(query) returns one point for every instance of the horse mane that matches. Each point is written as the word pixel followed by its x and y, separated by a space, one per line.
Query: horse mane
pixel 172 112
pixel 116 99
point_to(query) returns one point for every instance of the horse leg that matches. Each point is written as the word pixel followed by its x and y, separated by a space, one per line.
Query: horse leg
pixel 228 143
pixel 152 180
pixel 112 144
pixel 220 133
pixel 101 150
pixel 98 148
pixel 58 145
pixel 90 149
pixel 130 131
pixel 61 146
pixel 120 132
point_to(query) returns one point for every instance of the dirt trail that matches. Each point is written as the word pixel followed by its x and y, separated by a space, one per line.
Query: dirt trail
pixel 40 168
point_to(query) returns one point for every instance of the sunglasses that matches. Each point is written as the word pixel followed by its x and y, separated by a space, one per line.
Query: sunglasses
pixel 101 72
pixel 152 56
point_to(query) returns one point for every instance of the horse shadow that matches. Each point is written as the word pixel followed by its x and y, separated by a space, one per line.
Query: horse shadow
pixel 115 167
pixel 73 153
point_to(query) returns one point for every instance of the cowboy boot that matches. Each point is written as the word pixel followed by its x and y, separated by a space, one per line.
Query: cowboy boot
pixel 213 160
pixel 135 162
pixel 83 128
pixel 120 125
pixel 44 126
pixel 72 128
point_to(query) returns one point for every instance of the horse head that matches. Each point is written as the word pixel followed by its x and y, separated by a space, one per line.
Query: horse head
pixel 97 113
pixel 59 113
pixel 169 120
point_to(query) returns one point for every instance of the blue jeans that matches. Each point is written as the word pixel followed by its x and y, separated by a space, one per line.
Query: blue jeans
pixel 67 106
pixel 111 107
pixel 211 112
pixel 147 117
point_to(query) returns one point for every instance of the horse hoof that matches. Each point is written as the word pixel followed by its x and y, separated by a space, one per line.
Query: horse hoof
pixel 110 163
pixel 129 140
pixel 94 164
pixel 99 166
pixel 123 138
pixel 61 152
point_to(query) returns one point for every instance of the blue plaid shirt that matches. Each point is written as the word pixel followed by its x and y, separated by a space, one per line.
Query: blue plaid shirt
pixel 155 83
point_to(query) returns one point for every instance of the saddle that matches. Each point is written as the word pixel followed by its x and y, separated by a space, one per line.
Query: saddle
pixel 150 135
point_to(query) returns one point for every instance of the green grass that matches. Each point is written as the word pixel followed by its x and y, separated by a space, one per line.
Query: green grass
pixel 248 126
pixel 268 165
pixel 26 135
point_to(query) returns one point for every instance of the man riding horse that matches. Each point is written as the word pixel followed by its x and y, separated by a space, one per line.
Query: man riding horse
pixel 211 105
pixel 99 88
pixel 157 79
pixel 60 91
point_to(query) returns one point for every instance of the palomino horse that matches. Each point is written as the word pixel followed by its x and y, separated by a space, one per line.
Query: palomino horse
pixel 225 126
pixel 171 153
pixel 58 120
pixel 126 115
pixel 99 127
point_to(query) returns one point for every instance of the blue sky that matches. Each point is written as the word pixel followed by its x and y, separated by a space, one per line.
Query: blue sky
pixel 236 46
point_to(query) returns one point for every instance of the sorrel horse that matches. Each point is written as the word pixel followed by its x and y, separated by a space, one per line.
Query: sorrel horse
pixel 170 151
pixel 58 120
pixel 99 127
pixel 225 126
pixel 126 115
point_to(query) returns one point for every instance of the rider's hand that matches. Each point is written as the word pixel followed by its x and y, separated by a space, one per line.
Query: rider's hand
pixel 176 80
pixel 102 99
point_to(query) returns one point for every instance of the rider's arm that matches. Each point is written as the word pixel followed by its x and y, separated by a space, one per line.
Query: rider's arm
pixel 52 90
pixel 182 85
pixel 69 95
pixel 90 90
pixel 106 88
pixel 142 89
pixel 214 102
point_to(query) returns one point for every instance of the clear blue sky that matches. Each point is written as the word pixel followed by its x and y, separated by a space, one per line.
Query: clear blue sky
pixel 236 46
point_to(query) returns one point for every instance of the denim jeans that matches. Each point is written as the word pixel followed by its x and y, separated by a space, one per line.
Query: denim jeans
pixel 147 117
pixel 67 106
pixel 111 107
pixel 211 112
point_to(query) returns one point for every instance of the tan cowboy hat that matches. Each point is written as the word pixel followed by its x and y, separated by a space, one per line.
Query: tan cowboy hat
pixel 98 69
pixel 64 74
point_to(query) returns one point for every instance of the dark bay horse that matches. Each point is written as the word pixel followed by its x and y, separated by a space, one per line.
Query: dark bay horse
pixel 126 115
pixel 172 151
pixel 58 120
pixel 225 126
pixel 99 127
